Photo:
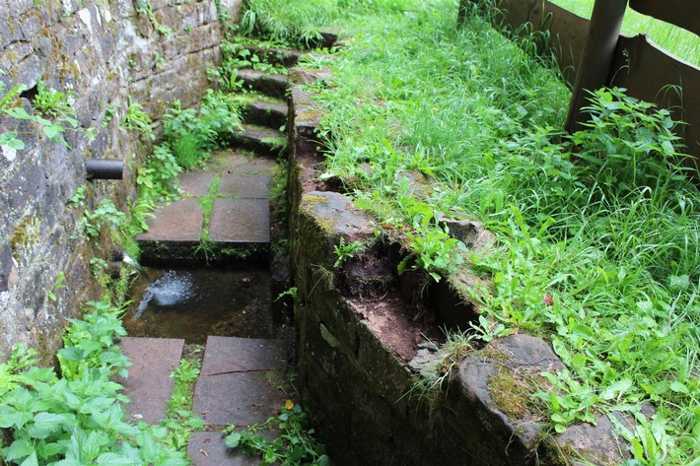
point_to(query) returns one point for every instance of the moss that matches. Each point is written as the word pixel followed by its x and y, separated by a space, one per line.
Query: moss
pixel 513 391
pixel 26 235
pixel 314 199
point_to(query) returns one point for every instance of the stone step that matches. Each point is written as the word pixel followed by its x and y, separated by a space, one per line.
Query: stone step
pixel 264 141
pixel 239 381
pixel 148 384
pixel 270 114
pixel 273 85
pixel 276 56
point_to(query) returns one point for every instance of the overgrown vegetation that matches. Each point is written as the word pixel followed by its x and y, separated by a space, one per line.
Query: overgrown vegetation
pixel 53 115
pixel 74 415
pixel 293 443
pixel 598 233
pixel 180 420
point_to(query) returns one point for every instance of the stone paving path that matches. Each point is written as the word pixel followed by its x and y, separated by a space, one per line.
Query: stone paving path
pixel 241 210
pixel 242 378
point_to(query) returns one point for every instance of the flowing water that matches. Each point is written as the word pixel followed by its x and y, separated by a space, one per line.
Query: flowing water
pixel 194 303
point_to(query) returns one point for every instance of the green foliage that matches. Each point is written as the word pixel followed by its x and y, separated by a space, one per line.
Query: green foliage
pixel 205 246
pixel 300 22
pixel 180 420
pixel 598 233
pixel 345 251
pixel 144 7
pixel 105 215
pixel 138 120
pixel 193 133
pixel 77 417
pixel 293 446
pixel 50 102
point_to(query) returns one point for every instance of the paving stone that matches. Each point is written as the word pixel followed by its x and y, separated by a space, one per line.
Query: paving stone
pixel 245 186
pixel 149 385
pixel 236 385
pixel 196 183
pixel 242 354
pixel 236 162
pixel 208 449
pixel 180 221
pixel 240 221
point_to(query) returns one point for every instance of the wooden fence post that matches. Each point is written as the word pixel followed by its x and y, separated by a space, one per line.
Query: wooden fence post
pixel 594 71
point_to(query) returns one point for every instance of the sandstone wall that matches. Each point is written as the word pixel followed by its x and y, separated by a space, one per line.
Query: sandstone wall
pixel 105 54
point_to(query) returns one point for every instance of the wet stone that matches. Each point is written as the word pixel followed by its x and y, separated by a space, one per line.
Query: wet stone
pixel 180 221
pixel 239 380
pixel 240 221
pixel 148 384
pixel 196 183
pixel 246 186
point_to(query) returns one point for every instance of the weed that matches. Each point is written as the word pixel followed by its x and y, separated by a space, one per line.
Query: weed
pixel 207 205
pixel 292 293
pixel 138 120
pixel 345 251
pixel 293 446
pixel 77 417
pixel 58 284
pixel 52 103
pixel 192 134
pixel 180 420
pixel 144 7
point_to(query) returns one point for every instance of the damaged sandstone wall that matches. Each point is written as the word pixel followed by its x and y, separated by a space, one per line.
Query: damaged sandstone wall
pixel 104 55
pixel 364 342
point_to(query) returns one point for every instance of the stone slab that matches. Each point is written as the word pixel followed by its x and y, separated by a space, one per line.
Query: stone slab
pixel 196 183
pixel 240 221
pixel 208 449
pixel 233 162
pixel 245 186
pixel 237 382
pixel 243 354
pixel 148 384
pixel 180 221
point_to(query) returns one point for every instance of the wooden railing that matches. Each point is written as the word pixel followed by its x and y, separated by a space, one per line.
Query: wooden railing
pixel 593 54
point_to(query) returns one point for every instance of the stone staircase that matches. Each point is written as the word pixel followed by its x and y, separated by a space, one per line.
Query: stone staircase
pixel 241 378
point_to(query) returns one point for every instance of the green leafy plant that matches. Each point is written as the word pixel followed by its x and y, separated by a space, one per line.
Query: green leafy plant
pixel 138 120
pixel 144 7
pixel 345 251
pixel 293 446
pixel 105 215
pixel 76 416
pixel 192 134
pixel 53 104
pixel 180 420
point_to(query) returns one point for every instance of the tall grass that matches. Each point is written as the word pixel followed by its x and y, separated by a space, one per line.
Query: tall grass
pixel 599 232
pixel 678 41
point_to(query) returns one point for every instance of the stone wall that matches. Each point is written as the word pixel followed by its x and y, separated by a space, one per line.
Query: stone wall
pixel 104 54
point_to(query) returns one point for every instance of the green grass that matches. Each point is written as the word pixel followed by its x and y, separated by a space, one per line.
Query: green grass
pixel 678 41
pixel 598 252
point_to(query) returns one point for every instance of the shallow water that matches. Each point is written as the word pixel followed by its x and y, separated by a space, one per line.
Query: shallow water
pixel 191 304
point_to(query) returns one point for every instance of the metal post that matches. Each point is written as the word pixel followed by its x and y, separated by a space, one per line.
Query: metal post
pixel 104 169
pixel 595 71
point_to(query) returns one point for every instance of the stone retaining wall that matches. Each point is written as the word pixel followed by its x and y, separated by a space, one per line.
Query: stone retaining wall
pixel 105 54
pixel 363 343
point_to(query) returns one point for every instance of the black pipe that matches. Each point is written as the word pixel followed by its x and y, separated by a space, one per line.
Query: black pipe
pixel 104 169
